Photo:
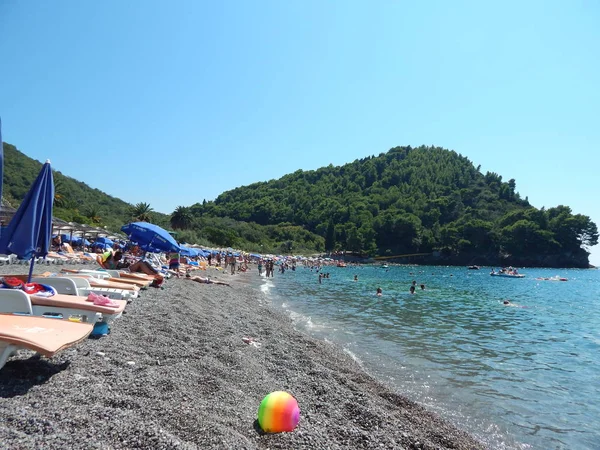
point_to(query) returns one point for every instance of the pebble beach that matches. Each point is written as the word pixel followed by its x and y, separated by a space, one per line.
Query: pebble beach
pixel 176 372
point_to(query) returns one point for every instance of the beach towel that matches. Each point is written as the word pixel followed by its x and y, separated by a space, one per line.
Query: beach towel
pixel 42 290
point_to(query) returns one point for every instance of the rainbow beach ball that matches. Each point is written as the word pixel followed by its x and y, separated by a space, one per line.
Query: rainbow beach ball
pixel 278 412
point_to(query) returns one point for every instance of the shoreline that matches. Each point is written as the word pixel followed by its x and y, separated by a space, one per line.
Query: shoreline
pixel 195 383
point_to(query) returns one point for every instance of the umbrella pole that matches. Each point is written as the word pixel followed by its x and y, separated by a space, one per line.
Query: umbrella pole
pixel 31 269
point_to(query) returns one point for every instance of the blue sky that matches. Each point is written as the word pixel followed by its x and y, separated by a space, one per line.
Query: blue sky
pixel 171 103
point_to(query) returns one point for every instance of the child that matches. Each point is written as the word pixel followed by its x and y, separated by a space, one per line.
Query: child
pixel 173 258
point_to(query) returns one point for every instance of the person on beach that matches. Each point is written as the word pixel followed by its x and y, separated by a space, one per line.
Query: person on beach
pixel 109 260
pixel 233 262
pixel 173 258
pixel 260 267
pixel 205 280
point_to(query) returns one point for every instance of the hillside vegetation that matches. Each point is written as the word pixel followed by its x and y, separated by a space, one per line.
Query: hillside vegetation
pixel 426 200
pixel 74 201
pixel 407 201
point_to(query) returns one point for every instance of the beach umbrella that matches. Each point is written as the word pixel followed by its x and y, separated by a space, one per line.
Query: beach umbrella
pixel 104 240
pixel 186 251
pixel 150 236
pixel 29 233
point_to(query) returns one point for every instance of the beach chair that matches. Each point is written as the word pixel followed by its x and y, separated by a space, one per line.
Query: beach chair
pixel 8 259
pixel 55 258
pixel 81 287
pixel 81 256
pixel 44 336
pixel 58 306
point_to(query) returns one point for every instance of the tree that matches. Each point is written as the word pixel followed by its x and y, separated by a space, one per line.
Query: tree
pixel 330 237
pixel 182 218
pixel 141 212
pixel 93 214
pixel 59 193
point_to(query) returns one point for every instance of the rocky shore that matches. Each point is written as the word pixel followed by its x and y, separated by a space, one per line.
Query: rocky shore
pixel 175 372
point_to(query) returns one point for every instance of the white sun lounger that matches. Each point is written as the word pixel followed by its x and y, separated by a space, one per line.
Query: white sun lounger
pixel 81 287
pixel 60 306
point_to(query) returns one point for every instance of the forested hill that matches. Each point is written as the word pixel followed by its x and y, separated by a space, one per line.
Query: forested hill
pixel 74 201
pixel 419 200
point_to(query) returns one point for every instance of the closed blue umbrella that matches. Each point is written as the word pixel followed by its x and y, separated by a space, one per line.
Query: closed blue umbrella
pixel 29 233
pixel 150 236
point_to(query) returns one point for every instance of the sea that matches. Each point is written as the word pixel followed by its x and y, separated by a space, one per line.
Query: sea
pixel 522 376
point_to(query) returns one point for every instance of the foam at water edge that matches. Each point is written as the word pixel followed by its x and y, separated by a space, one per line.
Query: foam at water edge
pixel 355 358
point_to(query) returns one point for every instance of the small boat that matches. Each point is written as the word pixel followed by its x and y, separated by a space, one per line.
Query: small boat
pixel 473 267
pixel 507 275
pixel 384 266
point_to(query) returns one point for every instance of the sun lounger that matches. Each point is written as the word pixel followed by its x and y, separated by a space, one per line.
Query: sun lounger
pixel 44 336
pixel 73 305
pixel 97 282
pixel 81 286
pixel 15 301
pixel 111 275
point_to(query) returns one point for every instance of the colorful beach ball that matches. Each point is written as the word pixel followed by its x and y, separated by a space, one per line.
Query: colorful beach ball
pixel 278 412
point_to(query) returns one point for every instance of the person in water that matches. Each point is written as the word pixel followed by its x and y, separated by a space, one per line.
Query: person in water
pixel 379 291
pixel 355 277
pixel 412 290
pixel 422 287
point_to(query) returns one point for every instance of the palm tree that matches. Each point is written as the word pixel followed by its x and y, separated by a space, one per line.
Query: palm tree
pixel 181 218
pixel 93 214
pixel 59 193
pixel 141 211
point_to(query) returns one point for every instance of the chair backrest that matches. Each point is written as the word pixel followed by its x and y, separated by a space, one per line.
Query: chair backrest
pixel 80 283
pixel 62 285
pixel 15 301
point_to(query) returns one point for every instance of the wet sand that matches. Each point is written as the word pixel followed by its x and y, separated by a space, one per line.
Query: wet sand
pixel 194 383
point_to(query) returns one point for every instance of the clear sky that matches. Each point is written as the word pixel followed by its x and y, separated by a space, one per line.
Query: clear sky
pixel 174 102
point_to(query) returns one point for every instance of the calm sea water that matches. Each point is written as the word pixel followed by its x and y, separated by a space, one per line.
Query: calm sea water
pixel 517 377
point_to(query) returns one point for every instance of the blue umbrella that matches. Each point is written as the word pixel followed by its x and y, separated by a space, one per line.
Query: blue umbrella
pixel 150 236
pixel 186 251
pixel 104 240
pixel 29 233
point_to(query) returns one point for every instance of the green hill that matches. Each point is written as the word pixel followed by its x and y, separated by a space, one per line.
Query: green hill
pixel 408 201
pixel 74 201
pixel 423 200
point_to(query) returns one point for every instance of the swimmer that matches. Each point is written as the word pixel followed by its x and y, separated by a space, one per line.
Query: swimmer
pixel 412 290
pixel 355 277
pixel 379 292
pixel 508 303
pixel 422 287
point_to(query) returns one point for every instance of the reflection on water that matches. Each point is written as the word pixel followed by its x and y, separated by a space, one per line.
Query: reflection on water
pixel 517 377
